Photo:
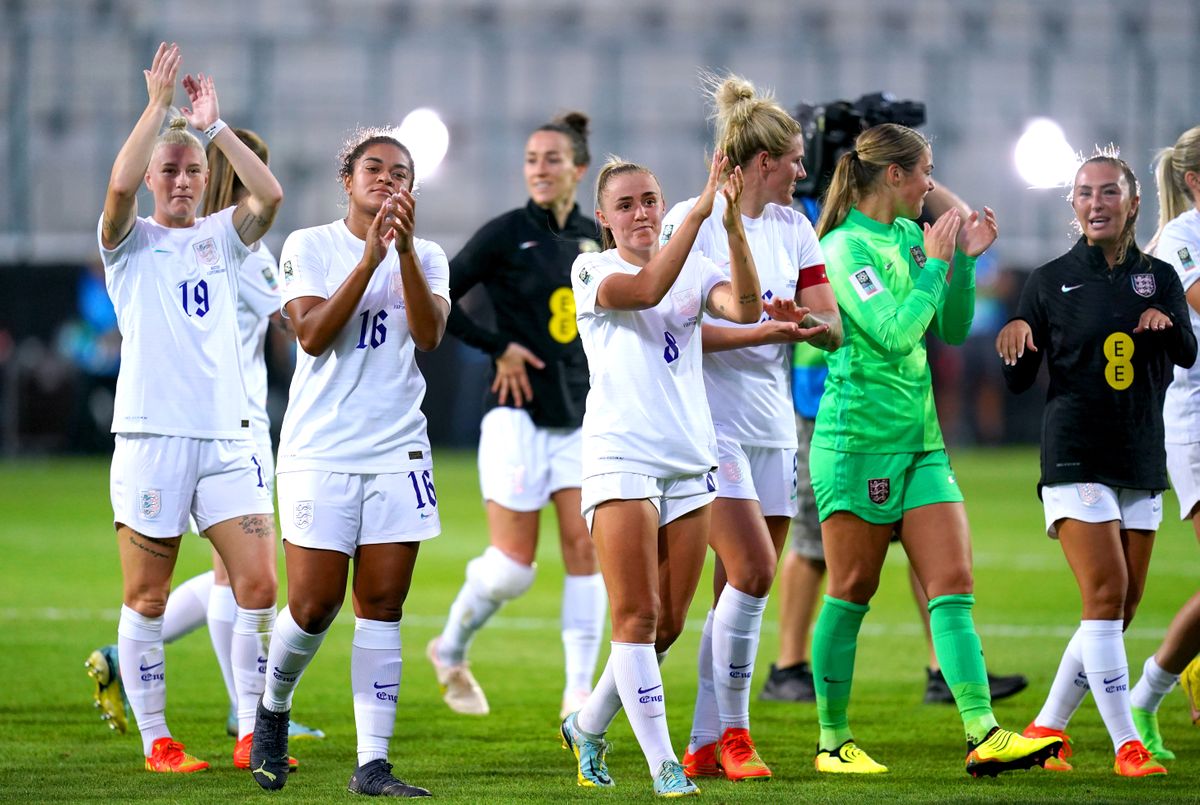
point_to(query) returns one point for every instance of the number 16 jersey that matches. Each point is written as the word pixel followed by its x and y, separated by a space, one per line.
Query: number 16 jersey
pixel 356 408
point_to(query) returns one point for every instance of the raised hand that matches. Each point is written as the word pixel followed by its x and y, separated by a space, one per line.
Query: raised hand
pixel 512 378
pixel 1013 340
pixel 202 94
pixel 160 78
pixel 404 220
pixel 732 190
pixel 978 232
pixel 1154 320
pixel 704 204
pixel 380 234
pixel 939 238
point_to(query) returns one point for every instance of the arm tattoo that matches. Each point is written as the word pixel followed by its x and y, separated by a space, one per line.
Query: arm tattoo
pixel 250 221
pixel 747 299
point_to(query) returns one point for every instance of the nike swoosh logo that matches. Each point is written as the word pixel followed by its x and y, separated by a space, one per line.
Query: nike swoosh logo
pixel 829 681
pixel 647 690
pixel 1114 679
pixel 740 667
pixel 1069 288
pixel 391 685
pixel 149 667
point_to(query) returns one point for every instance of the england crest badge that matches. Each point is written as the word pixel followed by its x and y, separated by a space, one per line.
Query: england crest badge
pixel 879 490
pixel 206 252
pixel 302 513
pixel 1143 284
pixel 150 503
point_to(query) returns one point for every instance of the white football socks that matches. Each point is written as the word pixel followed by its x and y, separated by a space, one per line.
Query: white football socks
pixel 143 673
pixel 375 667
pixel 292 649
pixel 584 603
pixel 187 607
pixel 639 682
pixel 1067 690
pixel 222 611
pixel 737 621
pixel 1108 676
pixel 706 721
pixel 248 659
pixel 1154 685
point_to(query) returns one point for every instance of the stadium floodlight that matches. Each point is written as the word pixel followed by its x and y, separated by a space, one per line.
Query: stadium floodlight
pixel 427 137
pixel 1043 156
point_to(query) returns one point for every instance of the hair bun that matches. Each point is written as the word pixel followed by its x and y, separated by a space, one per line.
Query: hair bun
pixel 576 121
pixel 176 120
pixel 732 91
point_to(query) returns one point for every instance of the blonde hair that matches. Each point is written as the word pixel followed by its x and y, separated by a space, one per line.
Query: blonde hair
pixel 176 133
pixel 225 188
pixel 858 170
pixel 747 122
pixel 1108 156
pixel 1171 165
pixel 615 166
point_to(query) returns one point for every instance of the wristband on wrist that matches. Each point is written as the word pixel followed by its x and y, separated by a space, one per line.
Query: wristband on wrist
pixel 215 129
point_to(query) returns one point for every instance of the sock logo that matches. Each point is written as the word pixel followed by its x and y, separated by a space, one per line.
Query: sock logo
pixel 829 681
pixel 1106 681
pixel 144 667
pixel 644 698
pixel 381 686
pixel 262 665
pixel 739 671
pixel 1081 681
pixel 1110 687
pixel 146 670
pixel 287 677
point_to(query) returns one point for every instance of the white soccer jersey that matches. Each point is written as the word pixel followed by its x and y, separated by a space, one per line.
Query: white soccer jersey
pixel 258 298
pixel 749 389
pixel 646 411
pixel 1179 245
pixel 357 407
pixel 175 293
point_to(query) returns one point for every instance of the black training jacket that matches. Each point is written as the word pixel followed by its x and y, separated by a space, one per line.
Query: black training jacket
pixel 1103 418
pixel 524 262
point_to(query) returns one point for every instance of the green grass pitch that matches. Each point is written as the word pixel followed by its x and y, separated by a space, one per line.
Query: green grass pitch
pixel 61 592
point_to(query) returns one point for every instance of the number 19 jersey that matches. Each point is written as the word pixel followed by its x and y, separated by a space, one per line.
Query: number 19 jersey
pixel 175 292
pixel 647 411
pixel 356 408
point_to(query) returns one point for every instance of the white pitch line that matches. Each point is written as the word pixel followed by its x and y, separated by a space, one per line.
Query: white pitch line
pixel 510 624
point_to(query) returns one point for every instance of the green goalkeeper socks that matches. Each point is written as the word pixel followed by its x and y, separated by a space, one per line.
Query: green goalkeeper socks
pixel 834 641
pixel 960 654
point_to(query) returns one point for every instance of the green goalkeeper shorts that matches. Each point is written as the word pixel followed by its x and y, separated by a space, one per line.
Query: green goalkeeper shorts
pixel 880 487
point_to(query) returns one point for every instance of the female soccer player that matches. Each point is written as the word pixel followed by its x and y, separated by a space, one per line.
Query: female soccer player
pixel 1178 243
pixel 183 438
pixel 208 598
pixel 355 471
pixel 529 439
pixel 878 461
pixel 746 379
pixel 648 442
pixel 1111 321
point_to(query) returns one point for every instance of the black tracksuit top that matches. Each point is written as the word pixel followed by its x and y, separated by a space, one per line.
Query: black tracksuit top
pixel 1103 418
pixel 524 262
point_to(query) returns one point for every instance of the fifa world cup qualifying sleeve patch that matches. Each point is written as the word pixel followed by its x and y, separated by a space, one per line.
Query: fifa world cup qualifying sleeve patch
pixel 866 282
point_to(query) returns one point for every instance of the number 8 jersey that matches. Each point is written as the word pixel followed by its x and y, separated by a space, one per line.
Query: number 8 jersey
pixel 1103 420
pixel 647 411
pixel 175 294
pixel 356 408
